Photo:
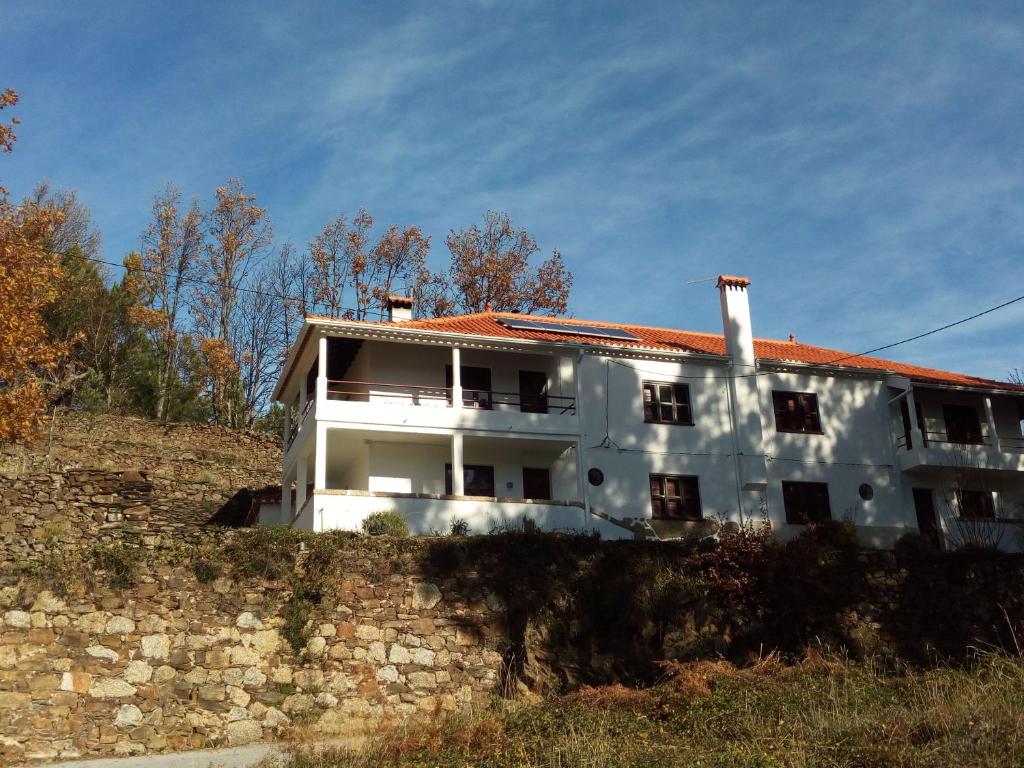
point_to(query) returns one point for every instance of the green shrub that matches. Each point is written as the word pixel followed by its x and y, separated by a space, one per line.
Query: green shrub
pixel 389 523
pixel 264 552
pixel 120 563
pixel 297 611
pixel 59 571
pixel 459 527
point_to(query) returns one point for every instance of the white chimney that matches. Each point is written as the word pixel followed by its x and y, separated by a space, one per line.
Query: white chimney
pixel 399 308
pixel 744 394
pixel 739 336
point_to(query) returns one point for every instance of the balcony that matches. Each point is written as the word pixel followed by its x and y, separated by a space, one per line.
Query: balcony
pixel 434 513
pixel 386 404
pixel 940 450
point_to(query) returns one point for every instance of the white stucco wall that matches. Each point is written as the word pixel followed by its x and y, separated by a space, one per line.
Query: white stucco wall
pixel 419 467
pixel 395 447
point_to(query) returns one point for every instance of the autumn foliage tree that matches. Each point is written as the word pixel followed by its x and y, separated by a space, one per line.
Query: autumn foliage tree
pixel 29 272
pixel 29 275
pixel 207 309
pixel 491 269
pixel 8 98
pixel 239 235
pixel 347 268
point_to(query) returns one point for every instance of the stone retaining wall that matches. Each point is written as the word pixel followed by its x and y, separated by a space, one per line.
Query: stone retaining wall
pixel 173 664
pixel 104 478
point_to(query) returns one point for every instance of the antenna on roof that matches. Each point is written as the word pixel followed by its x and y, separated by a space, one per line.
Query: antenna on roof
pixel 707 279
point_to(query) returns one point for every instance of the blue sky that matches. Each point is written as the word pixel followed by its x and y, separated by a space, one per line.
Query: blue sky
pixel 862 163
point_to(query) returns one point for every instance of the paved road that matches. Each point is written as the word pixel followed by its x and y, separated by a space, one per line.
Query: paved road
pixel 233 757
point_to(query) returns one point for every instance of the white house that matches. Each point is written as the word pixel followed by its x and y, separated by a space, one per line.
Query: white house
pixel 494 418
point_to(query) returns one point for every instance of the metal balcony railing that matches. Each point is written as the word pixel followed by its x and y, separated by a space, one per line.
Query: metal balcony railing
pixel 1011 444
pixel 1014 444
pixel 296 423
pixel 417 394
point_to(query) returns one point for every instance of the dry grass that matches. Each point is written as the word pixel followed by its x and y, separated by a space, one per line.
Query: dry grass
pixel 823 712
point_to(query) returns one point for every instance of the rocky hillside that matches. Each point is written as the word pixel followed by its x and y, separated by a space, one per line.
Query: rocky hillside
pixel 92 474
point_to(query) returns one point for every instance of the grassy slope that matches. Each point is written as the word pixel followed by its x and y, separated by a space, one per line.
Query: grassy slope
pixel 712 715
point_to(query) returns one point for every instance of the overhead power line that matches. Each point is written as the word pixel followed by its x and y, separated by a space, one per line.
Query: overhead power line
pixel 835 361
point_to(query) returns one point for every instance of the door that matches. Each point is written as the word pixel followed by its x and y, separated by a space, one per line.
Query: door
pixel 536 483
pixel 533 387
pixel 962 424
pixel 927 523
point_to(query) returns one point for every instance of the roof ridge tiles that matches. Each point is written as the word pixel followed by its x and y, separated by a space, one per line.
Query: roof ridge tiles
pixel 485 324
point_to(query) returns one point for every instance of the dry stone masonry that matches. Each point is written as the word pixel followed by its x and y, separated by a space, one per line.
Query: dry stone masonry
pixel 174 664
pixel 179 657
pixel 108 478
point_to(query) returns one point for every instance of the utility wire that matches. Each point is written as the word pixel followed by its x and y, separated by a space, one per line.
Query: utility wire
pixel 843 358
pixel 834 361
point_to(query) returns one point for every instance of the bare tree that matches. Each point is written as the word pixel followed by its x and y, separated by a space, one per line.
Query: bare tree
pixel 290 277
pixel 260 344
pixel 973 516
pixel 329 255
pixel 74 227
pixel 238 237
pixel 160 277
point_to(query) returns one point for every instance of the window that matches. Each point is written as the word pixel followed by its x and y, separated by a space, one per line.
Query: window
pixel 806 502
pixel 796 412
pixel 667 403
pixel 476 386
pixel 533 388
pixel 536 483
pixel 962 424
pixel 477 480
pixel 975 504
pixel 675 497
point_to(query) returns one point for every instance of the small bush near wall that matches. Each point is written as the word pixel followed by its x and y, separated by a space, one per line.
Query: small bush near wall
pixel 118 562
pixel 389 523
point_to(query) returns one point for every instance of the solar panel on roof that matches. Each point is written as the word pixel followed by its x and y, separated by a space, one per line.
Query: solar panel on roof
pixel 572 329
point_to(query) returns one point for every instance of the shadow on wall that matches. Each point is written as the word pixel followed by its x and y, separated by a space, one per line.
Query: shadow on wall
pixel 234 512
pixel 952 603
pixel 579 611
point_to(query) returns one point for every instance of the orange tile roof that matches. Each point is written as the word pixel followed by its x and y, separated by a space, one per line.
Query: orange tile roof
pixel 486 324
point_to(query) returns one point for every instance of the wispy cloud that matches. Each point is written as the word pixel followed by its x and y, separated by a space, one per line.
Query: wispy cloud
pixel 863 163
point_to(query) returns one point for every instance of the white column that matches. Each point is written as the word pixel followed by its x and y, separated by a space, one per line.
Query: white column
pixel 458 480
pixel 581 483
pixel 566 375
pixel 321 374
pixel 917 437
pixel 457 386
pixel 990 417
pixel 301 480
pixel 320 459
pixel 286 499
